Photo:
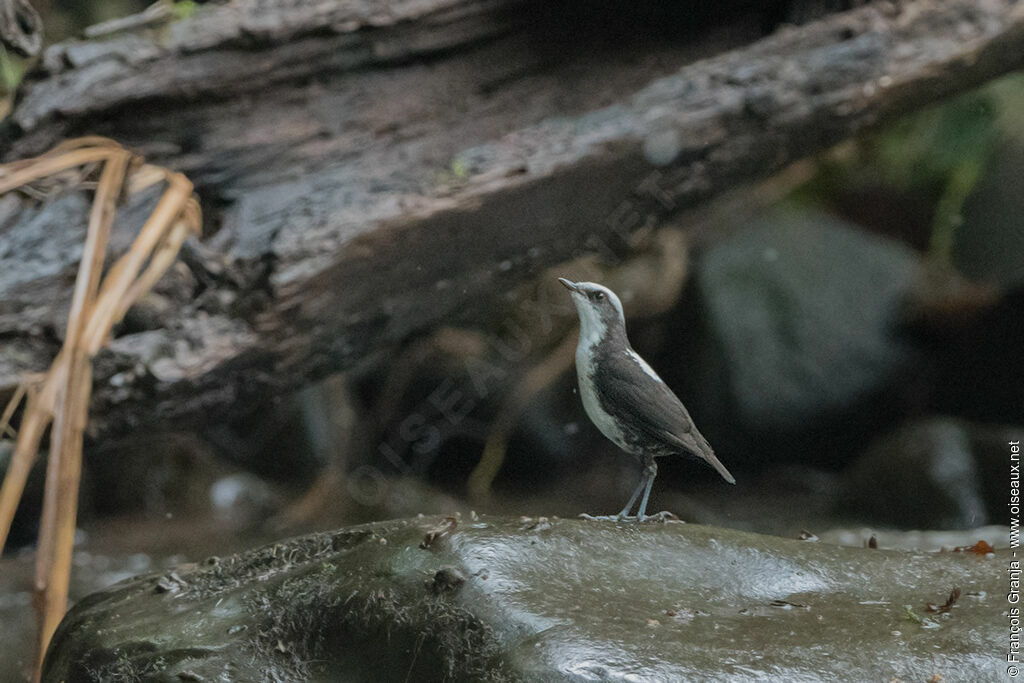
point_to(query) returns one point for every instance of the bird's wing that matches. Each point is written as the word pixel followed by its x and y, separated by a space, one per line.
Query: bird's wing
pixel 648 404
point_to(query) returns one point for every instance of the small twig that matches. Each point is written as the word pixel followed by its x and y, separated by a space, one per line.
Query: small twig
pixel 954 596
pixel 19 174
pixel 123 273
pixel 12 405
pixel 163 258
pixel 159 12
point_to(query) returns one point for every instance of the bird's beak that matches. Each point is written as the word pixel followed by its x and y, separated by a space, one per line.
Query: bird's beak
pixel 569 284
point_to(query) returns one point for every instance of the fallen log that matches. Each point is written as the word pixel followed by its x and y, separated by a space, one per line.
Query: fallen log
pixel 368 172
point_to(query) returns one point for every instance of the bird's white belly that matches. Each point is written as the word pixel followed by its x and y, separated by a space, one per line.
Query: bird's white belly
pixel 601 419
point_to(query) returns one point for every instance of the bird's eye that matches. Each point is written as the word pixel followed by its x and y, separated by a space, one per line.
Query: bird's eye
pixel 598 296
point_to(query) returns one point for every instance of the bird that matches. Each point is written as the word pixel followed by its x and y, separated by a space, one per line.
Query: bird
pixel 625 398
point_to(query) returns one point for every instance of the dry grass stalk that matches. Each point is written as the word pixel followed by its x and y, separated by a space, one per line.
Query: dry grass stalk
pixel 62 396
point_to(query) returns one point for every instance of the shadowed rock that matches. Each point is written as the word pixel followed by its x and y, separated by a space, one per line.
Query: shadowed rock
pixel 803 344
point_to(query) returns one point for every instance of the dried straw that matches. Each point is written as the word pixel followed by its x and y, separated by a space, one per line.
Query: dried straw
pixel 98 303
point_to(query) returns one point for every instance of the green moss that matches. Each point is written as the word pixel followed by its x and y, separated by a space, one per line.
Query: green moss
pixel 12 69
pixel 308 620
pixel 937 155
pixel 459 169
pixel 183 9
pixel 911 615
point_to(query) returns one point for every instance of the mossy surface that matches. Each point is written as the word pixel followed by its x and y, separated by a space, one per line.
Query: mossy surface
pixel 503 599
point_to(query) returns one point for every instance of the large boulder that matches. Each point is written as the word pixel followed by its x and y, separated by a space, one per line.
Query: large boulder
pixel 541 600
pixel 798 349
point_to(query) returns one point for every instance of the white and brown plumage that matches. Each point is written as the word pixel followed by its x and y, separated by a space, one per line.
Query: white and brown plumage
pixel 623 395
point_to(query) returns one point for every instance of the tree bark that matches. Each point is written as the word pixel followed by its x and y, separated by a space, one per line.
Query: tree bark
pixel 368 170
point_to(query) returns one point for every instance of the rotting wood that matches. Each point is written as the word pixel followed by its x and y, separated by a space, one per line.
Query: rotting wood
pixel 21 29
pixel 372 175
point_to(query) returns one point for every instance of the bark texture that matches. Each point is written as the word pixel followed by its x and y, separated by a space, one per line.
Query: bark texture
pixel 370 169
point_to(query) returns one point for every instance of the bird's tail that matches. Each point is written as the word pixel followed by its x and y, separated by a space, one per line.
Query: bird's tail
pixel 705 451
pixel 719 467
pixel 696 444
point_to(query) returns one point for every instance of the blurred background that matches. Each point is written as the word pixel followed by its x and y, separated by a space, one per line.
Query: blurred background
pixel 846 334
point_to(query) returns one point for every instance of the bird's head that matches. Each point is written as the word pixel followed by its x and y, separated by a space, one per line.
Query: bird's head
pixel 599 309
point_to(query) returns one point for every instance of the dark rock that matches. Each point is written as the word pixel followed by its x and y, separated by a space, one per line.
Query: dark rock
pixel 568 600
pixel 801 342
pixel 446 580
pixel 154 474
pixel 935 474
pixel 975 359
pixel 991 447
pixel 297 423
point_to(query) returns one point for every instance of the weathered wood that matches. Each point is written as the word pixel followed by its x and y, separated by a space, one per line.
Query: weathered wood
pixel 369 172
pixel 21 29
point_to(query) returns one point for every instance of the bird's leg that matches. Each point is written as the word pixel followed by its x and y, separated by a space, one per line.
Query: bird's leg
pixel 650 472
pixel 632 499
pixel 646 481
pixel 624 515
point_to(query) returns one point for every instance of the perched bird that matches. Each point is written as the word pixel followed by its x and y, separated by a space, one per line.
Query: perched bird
pixel 624 397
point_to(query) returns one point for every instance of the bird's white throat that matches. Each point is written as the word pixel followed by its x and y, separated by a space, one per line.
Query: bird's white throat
pixel 592 327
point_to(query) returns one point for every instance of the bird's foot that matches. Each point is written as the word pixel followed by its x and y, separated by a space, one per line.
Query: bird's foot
pixel 663 516
pixel 606 518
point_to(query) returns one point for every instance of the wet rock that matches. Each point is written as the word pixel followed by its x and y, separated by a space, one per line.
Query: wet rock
pixel 932 541
pixel 801 343
pixel 495 599
pixel 939 473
